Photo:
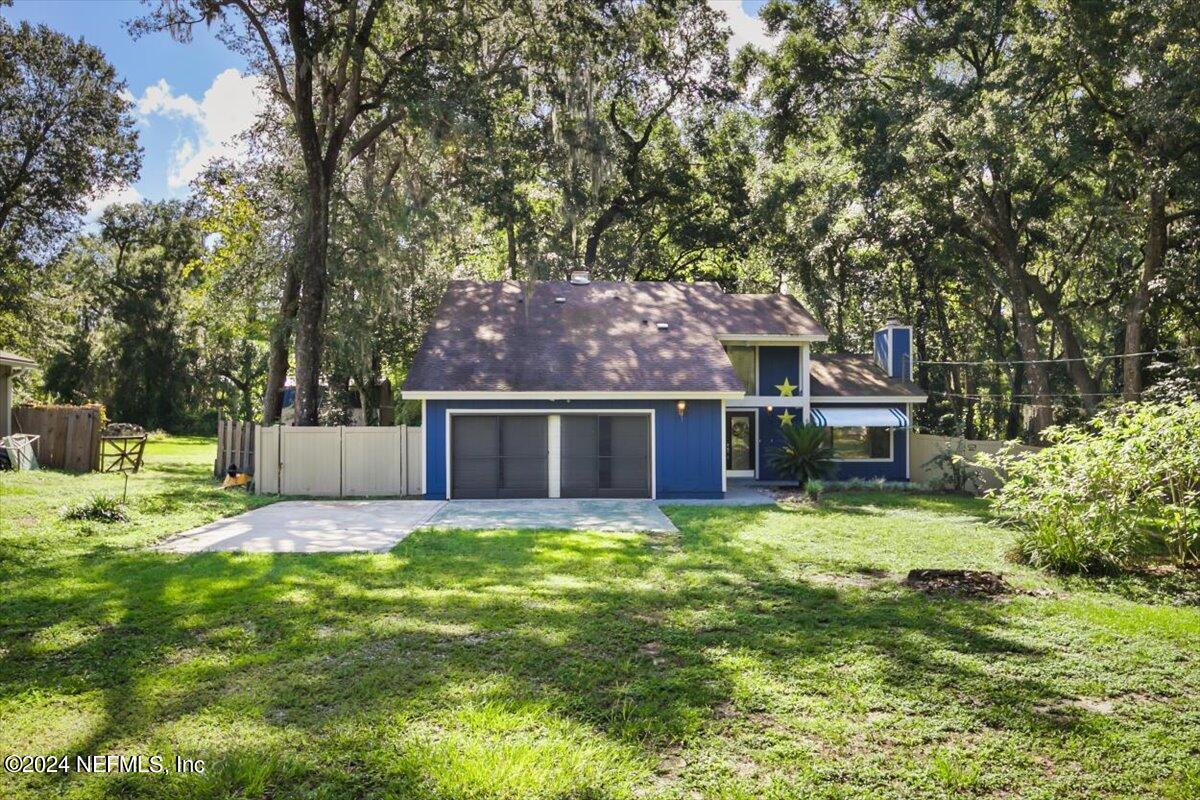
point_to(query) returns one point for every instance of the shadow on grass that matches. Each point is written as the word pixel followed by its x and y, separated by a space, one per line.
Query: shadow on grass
pixel 634 641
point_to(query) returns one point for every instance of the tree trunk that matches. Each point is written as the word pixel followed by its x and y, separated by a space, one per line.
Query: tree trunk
pixel 1077 369
pixel 1036 378
pixel 309 339
pixel 1135 312
pixel 511 234
pixel 277 362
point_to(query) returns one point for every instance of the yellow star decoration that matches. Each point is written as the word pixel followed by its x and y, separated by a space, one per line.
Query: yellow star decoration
pixel 786 417
pixel 786 389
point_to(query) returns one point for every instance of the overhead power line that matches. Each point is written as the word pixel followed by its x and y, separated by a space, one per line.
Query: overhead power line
pixel 996 400
pixel 1025 394
pixel 1054 360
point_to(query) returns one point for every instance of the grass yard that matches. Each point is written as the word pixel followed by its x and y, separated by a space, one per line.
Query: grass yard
pixel 759 653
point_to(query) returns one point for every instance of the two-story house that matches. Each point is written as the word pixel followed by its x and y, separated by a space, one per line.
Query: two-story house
pixel 662 390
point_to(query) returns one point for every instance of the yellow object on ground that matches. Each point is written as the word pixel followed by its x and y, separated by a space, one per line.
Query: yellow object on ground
pixel 233 481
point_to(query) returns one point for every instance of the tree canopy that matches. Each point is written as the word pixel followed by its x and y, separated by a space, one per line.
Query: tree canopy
pixel 1019 180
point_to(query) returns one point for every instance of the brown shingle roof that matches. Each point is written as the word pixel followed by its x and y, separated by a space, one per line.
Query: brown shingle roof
pixel 838 375
pixel 603 337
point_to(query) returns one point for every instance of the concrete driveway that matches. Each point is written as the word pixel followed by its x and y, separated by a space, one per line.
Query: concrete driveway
pixel 310 526
pixel 580 515
pixel 344 526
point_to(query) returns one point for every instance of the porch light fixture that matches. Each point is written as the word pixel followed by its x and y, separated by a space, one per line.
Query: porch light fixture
pixel 681 407
pixel 770 409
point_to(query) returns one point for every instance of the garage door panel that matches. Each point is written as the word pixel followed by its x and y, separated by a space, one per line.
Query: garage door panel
pixel 523 477
pixel 498 456
pixel 523 437
pixel 630 437
pixel 630 475
pixel 476 437
pixel 605 455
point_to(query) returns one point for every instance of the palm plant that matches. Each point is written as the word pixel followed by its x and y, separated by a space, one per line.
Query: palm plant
pixel 804 456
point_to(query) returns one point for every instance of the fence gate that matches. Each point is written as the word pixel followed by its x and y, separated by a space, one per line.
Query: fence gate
pixel 338 461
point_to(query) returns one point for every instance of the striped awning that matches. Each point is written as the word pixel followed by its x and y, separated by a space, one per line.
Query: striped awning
pixel 880 417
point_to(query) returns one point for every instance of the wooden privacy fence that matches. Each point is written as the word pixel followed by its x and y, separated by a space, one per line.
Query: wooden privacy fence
pixel 69 435
pixel 338 461
pixel 924 446
pixel 235 445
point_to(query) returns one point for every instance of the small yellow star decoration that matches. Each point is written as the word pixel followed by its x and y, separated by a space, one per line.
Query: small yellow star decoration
pixel 786 417
pixel 786 389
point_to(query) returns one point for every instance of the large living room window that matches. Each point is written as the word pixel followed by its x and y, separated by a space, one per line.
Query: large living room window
pixel 745 365
pixel 859 444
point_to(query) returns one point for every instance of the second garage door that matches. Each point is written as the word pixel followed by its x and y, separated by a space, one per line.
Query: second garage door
pixel 498 456
pixel 605 455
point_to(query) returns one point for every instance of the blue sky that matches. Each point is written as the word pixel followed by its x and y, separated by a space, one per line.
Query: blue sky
pixel 191 100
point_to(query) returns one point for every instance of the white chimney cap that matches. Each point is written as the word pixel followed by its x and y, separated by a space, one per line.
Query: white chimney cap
pixel 580 277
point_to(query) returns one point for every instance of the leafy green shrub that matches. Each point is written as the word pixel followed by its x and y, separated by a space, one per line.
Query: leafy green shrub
pixel 98 508
pixel 814 488
pixel 1124 485
pixel 805 455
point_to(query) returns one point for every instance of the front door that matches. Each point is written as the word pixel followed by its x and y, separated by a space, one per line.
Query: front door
pixel 739 444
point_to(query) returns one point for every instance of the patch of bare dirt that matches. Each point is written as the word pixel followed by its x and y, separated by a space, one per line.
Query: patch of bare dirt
pixel 1069 706
pixel 957 582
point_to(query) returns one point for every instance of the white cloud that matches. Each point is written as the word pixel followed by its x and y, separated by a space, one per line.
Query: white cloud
pixel 116 194
pixel 746 29
pixel 227 110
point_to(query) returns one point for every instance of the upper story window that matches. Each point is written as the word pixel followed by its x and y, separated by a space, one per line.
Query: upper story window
pixel 745 365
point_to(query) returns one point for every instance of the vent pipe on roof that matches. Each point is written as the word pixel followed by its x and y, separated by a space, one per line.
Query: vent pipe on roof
pixel 580 277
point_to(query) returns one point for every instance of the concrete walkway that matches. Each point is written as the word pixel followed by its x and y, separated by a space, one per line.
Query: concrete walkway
pixel 310 526
pixel 735 495
pixel 582 515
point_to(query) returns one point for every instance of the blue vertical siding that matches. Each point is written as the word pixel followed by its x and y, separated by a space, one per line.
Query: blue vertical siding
pixel 881 349
pixel 769 438
pixel 775 364
pixel 688 461
pixel 901 353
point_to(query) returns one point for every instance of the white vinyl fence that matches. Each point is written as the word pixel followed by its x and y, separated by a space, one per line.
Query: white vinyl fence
pixel 338 462
pixel 925 446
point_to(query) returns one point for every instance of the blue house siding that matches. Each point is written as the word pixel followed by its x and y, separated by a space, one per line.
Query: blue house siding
pixel 688 461
pixel 775 364
pixel 882 356
pixel 770 437
pixel 901 348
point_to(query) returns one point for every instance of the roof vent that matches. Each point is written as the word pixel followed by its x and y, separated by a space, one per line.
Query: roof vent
pixel 662 326
pixel 560 299
pixel 580 277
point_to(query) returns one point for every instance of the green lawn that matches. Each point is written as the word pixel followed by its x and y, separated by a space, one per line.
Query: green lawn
pixel 759 653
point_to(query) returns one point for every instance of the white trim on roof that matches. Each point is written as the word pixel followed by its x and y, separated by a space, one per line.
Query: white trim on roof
pixel 848 398
pixel 768 338
pixel 886 417
pixel 16 362
pixel 682 394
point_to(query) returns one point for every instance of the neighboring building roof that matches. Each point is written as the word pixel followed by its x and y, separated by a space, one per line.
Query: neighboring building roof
pixel 838 375
pixel 603 337
pixel 14 360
